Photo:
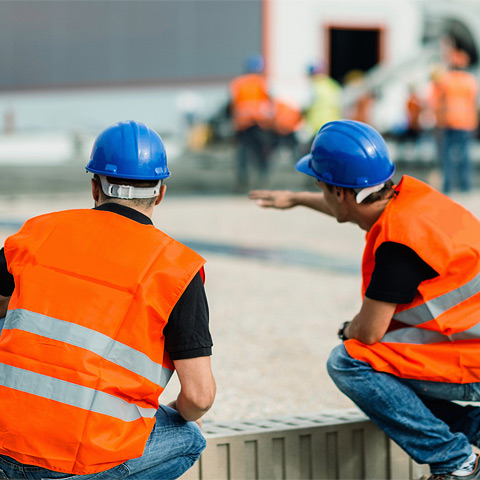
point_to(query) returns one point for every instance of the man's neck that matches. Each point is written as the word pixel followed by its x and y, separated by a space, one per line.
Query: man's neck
pixel 127 203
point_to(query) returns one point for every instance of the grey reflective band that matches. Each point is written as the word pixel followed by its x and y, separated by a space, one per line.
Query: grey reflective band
pixel 127 192
pixel 433 308
pixel 71 394
pixel 420 336
pixel 91 340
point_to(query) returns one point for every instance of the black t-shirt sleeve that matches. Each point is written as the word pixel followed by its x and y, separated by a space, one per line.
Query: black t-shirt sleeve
pixel 187 333
pixel 397 274
pixel 7 284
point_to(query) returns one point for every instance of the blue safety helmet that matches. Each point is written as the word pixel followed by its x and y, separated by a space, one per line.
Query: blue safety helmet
pixel 316 68
pixel 347 153
pixel 254 64
pixel 129 150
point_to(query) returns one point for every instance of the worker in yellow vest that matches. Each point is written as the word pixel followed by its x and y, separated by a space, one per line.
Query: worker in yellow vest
pixel 412 349
pixel 325 101
pixel 101 309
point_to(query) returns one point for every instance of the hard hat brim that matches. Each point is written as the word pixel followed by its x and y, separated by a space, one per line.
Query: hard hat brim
pixel 304 166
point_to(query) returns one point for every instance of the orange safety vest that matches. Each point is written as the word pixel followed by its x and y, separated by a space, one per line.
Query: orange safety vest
pixel 251 104
pixel 287 119
pixel 458 101
pixel 437 336
pixel 82 355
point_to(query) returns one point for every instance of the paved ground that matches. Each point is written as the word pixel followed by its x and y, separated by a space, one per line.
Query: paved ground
pixel 274 315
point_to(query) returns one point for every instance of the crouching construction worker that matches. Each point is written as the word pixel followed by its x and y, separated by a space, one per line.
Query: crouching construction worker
pixel 412 349
pixel 103 308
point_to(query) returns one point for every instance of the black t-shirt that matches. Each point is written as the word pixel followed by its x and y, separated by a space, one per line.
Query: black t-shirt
pixel 187 334
pixel 397 274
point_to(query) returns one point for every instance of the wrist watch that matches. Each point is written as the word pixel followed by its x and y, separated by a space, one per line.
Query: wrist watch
pixel 341 331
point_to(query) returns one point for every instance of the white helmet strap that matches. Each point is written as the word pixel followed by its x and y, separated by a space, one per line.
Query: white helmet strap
pixel 128 192
pixel 363 193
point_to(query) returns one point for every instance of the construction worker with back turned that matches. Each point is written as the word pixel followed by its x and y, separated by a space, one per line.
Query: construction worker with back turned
pixel 102 309
pixel 412 349
pixel 252 112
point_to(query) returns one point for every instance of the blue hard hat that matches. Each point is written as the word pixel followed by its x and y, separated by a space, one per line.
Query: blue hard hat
pixel 129 150
pixel 254 64
pixel 316 68
pixel 348 153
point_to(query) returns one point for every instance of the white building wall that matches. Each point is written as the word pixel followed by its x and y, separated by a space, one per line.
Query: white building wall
pixel 297 35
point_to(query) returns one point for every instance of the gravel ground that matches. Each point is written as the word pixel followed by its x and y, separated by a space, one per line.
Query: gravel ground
pixel 273 318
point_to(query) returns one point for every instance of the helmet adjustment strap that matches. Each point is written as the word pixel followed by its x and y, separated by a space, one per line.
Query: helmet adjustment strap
pixel 363 193
pixel 128 192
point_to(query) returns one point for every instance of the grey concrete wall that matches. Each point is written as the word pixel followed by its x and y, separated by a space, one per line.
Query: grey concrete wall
pixel 46 43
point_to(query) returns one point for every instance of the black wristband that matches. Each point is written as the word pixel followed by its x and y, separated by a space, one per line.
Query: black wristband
pixel 341 331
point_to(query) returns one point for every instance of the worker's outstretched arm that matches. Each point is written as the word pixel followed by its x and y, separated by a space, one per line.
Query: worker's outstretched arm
pixel 371 322
pixel 197 387
pixel 284 199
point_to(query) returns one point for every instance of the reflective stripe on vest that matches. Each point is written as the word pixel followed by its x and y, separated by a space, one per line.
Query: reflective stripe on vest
pixel 420 336
pixel 435 307
pixel 96 342
pixel 71 394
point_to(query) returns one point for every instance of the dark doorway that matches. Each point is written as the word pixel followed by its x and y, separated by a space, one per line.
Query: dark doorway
pixel 353 49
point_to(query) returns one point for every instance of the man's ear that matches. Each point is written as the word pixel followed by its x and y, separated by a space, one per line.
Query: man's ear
pixel 340 193
pixel 95 190
pixel 163 189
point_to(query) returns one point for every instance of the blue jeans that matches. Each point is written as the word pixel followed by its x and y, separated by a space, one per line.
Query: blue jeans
pixel 172 448
pixel 418 415
pixel 456 162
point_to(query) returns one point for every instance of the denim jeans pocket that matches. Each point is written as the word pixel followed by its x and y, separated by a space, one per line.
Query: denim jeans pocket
pixel 115 473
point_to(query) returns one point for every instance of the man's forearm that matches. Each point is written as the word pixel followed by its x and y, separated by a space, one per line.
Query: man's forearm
pixel 311 200
pixel 191 410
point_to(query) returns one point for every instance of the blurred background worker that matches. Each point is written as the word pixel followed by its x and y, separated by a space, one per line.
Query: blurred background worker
pixel 102 309
pixel 361 108
pixel 458 118
pixel 419 314
pixel 252 116
pixel 287 121
pixel 325 101
pixel 410 136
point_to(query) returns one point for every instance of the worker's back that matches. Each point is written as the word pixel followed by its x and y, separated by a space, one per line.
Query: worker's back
pixel 82 349
pixel 458 101
pixel 250 101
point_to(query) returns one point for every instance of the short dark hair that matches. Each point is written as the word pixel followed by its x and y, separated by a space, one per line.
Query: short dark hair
pixel 140 202
pixel 385 192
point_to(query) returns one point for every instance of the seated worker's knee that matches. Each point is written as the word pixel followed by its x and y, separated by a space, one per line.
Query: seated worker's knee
pixel 195 441
pixel 339 363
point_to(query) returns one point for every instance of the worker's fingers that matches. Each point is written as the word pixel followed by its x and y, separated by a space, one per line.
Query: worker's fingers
pixel 254 194
pixel 263 198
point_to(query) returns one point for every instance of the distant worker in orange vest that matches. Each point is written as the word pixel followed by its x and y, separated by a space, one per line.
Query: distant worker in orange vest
pixel 458 118
pixel 361 109
pixel 411 351
pixel 252 112
pixel 414 108
pixel 102 309
pixel 286 123
pixel 432 115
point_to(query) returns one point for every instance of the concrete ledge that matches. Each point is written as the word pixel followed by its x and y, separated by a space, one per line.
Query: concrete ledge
pixel 337 445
